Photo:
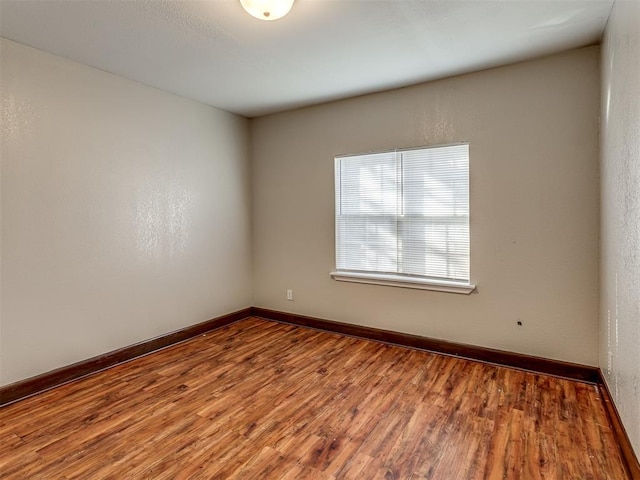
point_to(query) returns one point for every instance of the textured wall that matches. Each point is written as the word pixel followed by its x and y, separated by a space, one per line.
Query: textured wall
pixel 125 212
pixel 620 211
pixel 533 133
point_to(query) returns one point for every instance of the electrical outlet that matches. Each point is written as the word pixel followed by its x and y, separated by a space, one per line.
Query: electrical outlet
pixel 290 295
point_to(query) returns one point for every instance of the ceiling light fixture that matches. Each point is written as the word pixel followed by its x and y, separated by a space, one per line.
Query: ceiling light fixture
pixel 267 9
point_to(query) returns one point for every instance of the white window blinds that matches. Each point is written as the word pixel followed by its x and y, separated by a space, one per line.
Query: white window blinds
pixel 404 213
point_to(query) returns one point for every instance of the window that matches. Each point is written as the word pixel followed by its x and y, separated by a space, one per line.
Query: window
pixel 402 218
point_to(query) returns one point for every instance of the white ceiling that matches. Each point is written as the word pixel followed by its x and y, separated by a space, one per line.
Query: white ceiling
pixel 214 52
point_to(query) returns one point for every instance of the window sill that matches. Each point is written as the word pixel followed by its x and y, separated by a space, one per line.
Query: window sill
pixel 404 282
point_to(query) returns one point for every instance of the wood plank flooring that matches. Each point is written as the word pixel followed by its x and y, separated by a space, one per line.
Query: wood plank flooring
pixel 264 400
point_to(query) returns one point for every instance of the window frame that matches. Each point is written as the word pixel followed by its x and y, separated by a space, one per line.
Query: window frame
pixel 400 280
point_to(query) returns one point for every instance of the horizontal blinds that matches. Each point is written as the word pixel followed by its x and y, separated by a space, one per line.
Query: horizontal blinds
pixel 404 212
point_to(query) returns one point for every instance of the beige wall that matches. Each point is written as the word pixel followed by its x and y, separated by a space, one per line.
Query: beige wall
pixel 125 212
pixel 533 133
pixel 620 207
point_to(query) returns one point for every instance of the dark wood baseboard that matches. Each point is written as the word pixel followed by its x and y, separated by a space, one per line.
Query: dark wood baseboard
pixel 46 381
pixel 628 455
pixel 557 368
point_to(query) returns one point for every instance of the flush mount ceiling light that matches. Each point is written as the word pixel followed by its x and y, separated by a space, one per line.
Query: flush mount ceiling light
pixel 267 9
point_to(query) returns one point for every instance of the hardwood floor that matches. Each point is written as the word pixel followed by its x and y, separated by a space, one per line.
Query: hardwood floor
pixel 264 400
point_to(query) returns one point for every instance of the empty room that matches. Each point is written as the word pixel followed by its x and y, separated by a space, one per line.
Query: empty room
pixel 320 239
